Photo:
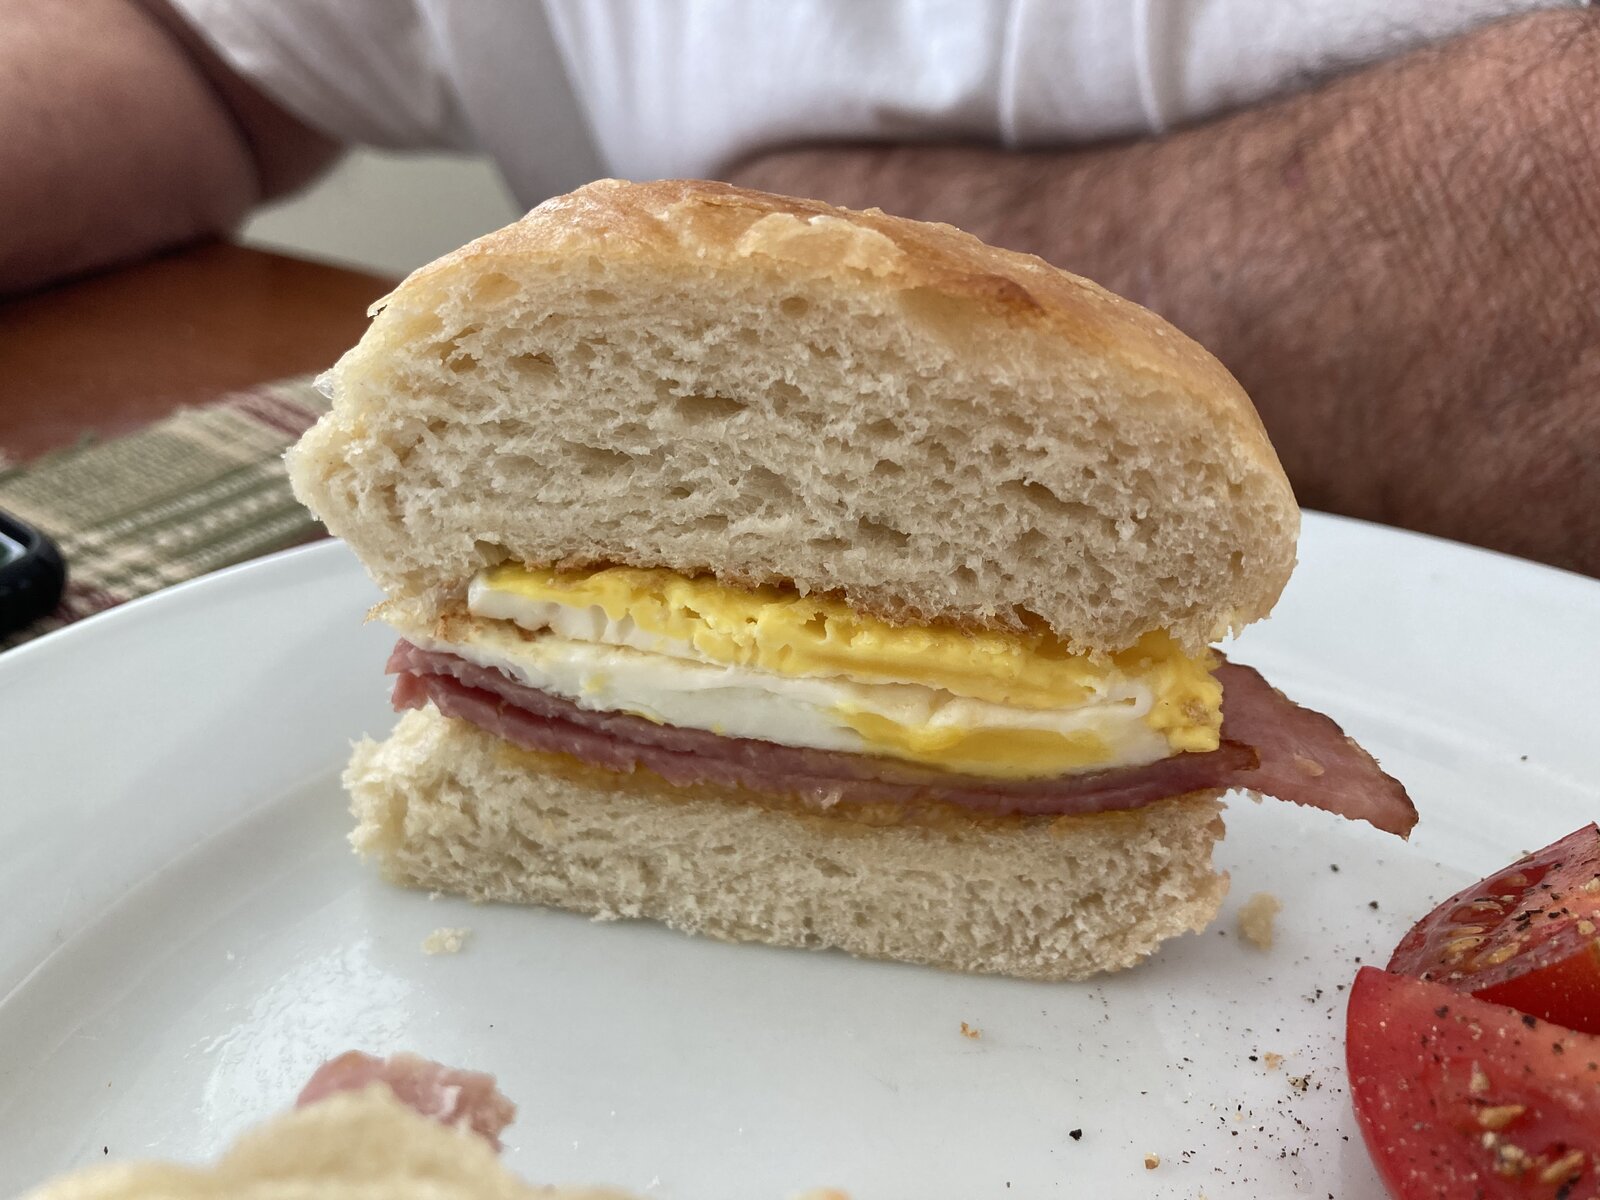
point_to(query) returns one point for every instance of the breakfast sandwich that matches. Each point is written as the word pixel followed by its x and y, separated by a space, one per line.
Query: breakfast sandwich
pixel 816 577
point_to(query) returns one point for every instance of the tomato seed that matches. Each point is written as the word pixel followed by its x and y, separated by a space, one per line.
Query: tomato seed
pixel 1563 1169
pixel 1498 1116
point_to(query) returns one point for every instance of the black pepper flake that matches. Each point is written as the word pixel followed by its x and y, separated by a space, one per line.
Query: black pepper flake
pixel 1334 867
pixel 1372 904
pixel 1530 1022
pixel 1442 1011
pixel 1075 1134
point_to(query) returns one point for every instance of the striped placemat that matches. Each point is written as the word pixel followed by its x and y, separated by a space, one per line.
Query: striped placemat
pixel 199 490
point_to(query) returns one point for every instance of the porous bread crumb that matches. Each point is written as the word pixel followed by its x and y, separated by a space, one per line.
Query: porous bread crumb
pixel 958 890
pixel 1255 919
pixel 970 1031
pixel 445 941
pixel 1152 1161
pixel 1272 1060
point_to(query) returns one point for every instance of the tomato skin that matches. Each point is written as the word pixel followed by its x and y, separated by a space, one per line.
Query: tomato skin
pixel 1527 936
pixel 1458 1097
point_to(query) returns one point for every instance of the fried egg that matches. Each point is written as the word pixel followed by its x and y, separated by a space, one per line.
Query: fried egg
pixel 809 671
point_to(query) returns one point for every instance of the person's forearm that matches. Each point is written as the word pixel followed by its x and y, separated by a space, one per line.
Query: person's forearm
pixel 1403 268
pixel 113 141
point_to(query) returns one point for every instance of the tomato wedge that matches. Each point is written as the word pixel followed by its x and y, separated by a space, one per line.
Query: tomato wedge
pixel 1457 1097
pixel 1527 936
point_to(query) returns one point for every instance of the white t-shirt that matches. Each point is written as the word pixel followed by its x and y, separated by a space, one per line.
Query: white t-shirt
pixel 562 91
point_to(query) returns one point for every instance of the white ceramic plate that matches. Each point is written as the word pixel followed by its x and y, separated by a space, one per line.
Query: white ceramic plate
pixel 185 935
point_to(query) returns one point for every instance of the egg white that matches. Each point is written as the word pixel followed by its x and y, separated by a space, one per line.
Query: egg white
pixel 606 665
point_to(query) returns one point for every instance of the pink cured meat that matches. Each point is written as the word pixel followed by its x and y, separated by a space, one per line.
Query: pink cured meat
pixel 465 1099
pixel 1270 745
pixel 537 720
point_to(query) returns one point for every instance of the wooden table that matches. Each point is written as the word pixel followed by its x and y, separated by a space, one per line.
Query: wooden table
pixel 110 353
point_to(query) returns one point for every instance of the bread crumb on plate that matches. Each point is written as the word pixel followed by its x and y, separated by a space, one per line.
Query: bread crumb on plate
pixel 1152 1161
pixel 970 1031
pixel 1256 916
pixel 445 941
pixel 1272 1059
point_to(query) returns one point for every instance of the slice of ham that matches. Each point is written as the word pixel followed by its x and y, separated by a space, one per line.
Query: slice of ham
pixel 1305 757
pixel 448 1095
pixel 537 720
pixel 1269 745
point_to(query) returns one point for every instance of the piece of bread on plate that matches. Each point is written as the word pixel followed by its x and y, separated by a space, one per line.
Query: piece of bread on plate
pixel 818 577
pixel 364 1128
pixel 362 1145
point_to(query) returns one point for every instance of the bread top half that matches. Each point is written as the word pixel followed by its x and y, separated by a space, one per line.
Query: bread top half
pixel 694 376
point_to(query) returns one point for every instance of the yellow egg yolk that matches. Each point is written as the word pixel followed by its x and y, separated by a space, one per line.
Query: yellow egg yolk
pixel 778 632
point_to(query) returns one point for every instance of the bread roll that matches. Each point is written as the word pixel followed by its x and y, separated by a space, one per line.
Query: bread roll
pixel 695 376
pixel 720 382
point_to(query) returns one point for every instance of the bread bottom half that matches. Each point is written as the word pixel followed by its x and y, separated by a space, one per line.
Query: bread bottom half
pixel 444 806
